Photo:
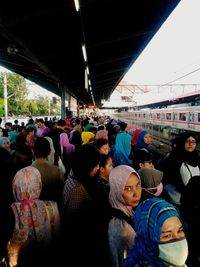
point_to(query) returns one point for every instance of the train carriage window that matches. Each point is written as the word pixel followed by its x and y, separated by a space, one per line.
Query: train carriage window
pixel 198 117
pixel 144 115
pixel 182 116
pixel 158 115
pixel 175 116
pixel 191 117
pixel 168 116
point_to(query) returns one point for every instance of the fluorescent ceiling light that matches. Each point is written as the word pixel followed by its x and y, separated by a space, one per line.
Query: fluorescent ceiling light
pixel 84 53
pixel 76 2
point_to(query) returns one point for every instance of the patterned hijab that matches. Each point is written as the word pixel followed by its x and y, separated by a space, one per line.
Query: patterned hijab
pixel 148 220
pixel 117 180
pixel 32 219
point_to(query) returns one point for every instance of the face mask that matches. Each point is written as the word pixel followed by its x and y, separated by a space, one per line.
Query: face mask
pixel 158 189
pixel 174 253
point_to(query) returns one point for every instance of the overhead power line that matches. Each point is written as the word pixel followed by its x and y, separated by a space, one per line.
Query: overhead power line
pixel 183 76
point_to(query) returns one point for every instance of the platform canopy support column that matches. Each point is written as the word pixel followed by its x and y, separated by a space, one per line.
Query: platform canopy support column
pixel 63 108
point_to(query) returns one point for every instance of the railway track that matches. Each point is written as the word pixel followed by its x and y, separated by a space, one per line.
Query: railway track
pixel 161 145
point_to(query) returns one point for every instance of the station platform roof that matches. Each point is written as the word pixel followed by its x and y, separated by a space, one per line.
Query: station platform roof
pixel 42 41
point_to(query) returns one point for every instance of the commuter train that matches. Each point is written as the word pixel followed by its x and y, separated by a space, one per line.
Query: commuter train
pixel 165 123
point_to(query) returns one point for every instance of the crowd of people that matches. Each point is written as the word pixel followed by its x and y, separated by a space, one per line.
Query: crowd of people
pixel 90 191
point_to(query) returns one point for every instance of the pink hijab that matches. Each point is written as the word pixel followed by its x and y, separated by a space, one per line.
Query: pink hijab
pixel 102 134
pixel 64 141
pixel 117 179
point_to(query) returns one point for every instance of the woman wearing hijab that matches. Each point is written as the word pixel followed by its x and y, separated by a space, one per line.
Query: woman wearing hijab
pixel 67 150
pixel 64 141
pixel 5 143
pixel 36 222
pixel 181 165
pixel 124 196
pixel 133 142
pixel 160 239
pixel 50 157
pixel 143 141
pixel 122 149
pixel 102 134
pixel 151 181
pixel 87 137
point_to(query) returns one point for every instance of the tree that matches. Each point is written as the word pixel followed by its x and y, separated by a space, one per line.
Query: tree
pixel 17 99
pixel 16 88
pixel 1 107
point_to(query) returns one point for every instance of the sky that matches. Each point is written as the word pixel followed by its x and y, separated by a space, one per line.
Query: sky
pixel 35 90
pixel 173 52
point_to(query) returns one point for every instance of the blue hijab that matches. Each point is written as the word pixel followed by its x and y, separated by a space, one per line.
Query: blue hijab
pixel 140 141
pixel 148 220
pixel 4 140
pixel 123 146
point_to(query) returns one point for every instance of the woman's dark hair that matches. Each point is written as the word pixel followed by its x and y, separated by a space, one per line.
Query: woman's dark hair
pixel 143 156
pixel 84 160
pixel 100 142
pixel 101 127
pixel 29 129
pixel 103 160
pixel 76 139
pixel 41 148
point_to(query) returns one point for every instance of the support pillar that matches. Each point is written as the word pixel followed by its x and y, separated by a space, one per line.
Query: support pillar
pixel 69 102
pixel 78 108
pixel 63 109
pixel 5 96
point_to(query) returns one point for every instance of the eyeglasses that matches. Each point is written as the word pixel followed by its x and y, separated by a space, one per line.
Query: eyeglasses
pixel 193 142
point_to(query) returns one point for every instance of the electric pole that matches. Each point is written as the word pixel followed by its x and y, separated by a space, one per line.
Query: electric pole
pixel 5 96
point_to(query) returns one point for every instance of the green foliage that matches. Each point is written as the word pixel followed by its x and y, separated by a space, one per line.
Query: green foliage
pixel 17 92
pixel 1 107
pixel 16 86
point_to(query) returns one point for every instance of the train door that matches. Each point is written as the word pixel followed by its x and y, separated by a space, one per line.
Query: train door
pixel 175 119
pixel 192 119
pixel 198 121
pixel 183 120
